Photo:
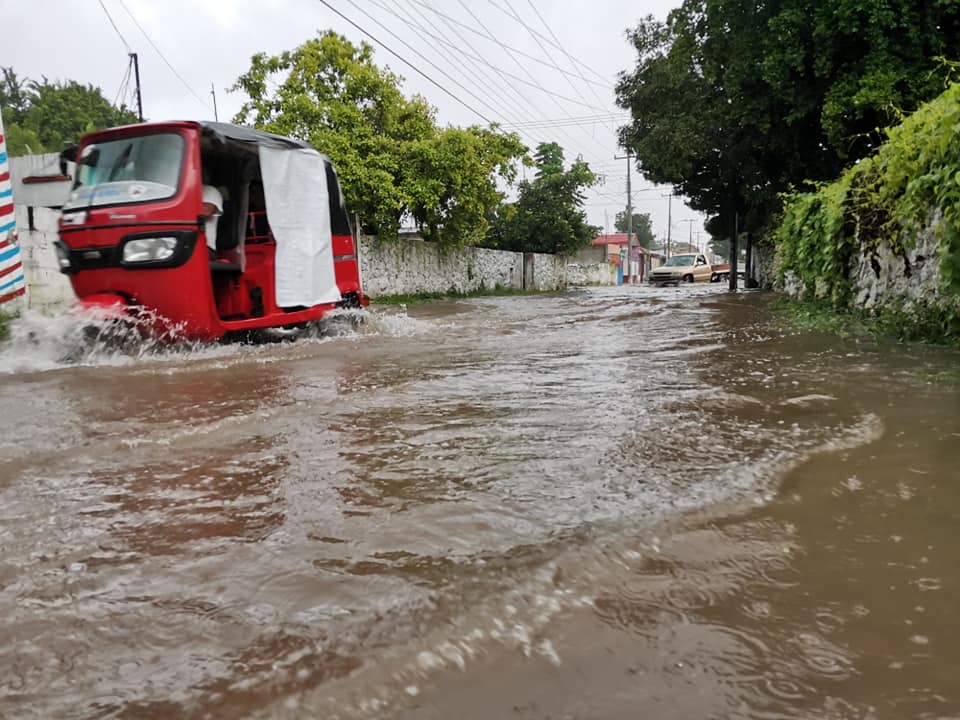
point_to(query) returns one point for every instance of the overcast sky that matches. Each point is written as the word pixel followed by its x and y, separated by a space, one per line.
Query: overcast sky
pixel 545 68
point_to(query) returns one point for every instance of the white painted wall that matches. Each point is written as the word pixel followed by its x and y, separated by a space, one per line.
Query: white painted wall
pixel 410 266
pixel 42 194
pixel 591 274
pixel 405 267
pixel 48 289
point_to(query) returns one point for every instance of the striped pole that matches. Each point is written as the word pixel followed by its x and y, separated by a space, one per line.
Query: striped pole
pixel 12 281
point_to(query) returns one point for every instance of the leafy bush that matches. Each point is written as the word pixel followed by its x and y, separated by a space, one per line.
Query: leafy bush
pixel 894 195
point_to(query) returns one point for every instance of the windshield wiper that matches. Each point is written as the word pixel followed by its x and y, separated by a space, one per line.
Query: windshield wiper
pixel 120 161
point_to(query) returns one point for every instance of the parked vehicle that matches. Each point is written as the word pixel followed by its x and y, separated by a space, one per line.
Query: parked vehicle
pixel 684 268
pixel 720 272
pixel 137 236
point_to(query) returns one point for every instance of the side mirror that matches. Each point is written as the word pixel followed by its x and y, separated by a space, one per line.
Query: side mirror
pixel 69 154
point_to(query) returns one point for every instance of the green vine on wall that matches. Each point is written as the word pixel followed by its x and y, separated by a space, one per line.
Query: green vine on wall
pixel 909 184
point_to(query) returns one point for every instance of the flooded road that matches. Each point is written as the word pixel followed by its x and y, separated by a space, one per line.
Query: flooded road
pixel 610 503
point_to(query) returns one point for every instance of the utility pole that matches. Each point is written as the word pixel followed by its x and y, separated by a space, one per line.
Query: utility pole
pixel 136 76
pixel 628 278
pixel 213 93
pixel 669 220
pixel 734 251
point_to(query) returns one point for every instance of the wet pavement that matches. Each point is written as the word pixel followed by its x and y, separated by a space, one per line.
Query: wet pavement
pixel 607 503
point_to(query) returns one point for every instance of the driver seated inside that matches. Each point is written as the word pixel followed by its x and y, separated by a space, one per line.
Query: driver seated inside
pixel 211 211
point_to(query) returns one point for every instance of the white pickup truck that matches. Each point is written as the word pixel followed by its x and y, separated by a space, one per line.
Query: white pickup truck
pixel 685 268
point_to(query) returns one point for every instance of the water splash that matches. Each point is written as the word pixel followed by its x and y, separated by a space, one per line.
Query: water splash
pixel 94 337
pixel 83 337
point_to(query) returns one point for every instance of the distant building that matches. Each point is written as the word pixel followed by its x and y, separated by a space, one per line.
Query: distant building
pixel 611 248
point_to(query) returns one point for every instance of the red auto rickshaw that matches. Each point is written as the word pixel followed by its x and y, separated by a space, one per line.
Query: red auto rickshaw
pixel 137 239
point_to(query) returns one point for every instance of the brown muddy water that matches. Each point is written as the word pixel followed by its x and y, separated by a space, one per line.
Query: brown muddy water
pixel 610 503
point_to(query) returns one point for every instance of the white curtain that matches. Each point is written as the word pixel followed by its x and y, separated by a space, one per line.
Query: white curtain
pixel 295 190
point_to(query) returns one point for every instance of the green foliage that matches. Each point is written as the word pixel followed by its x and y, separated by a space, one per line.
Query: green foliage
pixel 821 316
pixel 642 227
pixel 934 324
pixel 449 181
pixel 890 196
pixel 547 216
pixel 734 102
pixel 392 158
pixel 46 116
pixel 413 299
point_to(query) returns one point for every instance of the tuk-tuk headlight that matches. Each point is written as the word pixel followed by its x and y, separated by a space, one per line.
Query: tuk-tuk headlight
pixel 149 250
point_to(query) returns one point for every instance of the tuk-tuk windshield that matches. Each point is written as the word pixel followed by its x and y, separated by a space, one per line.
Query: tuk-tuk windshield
pixel 128 170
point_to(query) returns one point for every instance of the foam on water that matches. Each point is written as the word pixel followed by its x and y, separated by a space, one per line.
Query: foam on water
pixel 88 338
pixel 39 342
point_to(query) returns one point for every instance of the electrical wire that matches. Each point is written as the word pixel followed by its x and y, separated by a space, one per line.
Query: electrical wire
pixel 573 61
pixel 440 47
pixel 425 59
pixel 567 122
pixel 521 53
pixel 407 62
pixel 417 69
pixel 476 60
pixel 523 67
pixel 498 70
pixel 115 28
pixel 163 57
pixel 124 84
pixel 556 45
pixel 546 52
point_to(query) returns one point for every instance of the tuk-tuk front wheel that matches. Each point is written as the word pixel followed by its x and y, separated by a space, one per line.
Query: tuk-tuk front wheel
pixel 350 301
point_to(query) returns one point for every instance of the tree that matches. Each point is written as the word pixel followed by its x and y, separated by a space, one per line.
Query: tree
pixel 735 101
pixel 46 116
pixel 449 181
pixel 392 158
pixel 547 216
pixel 642 227
pixel 14 97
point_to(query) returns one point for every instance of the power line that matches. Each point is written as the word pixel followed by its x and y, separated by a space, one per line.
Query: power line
pixel 498 70
pixel 162 56
pixel 407 62
pixel 441 42
pixel 476 59
pixel 115 28
pixel 124 84
pixel 509 48
pixel 546 52
pixel 556 45
pixel 577 121
pixel 573 62
pixel 533 81
pixel 522 66
pixel 418 54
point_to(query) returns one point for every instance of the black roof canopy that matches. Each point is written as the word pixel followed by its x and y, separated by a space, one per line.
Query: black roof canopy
pixel 248 136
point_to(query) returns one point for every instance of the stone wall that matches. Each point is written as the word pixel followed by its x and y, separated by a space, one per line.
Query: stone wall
pixel 591 274
pixel 47 288
pixel 885 280
pixel 765 265
pixel 405 267
pixel 411 266
pixel 889 280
